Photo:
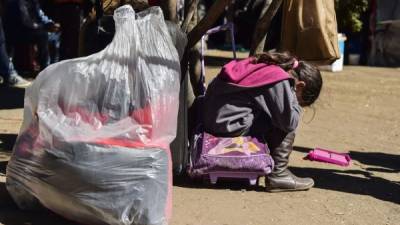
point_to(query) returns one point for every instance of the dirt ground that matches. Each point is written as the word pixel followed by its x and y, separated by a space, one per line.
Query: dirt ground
pixel 358 113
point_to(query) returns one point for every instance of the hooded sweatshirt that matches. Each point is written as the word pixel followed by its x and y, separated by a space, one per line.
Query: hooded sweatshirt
pixel 250 99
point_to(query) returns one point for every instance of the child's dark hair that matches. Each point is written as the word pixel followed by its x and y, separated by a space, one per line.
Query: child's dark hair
pixel 304 71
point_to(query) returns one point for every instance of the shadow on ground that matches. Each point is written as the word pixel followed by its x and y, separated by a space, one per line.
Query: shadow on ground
pixel 3 166
pixel 348 181
pixel 383 162
pixel 216 60
pixel 11 98
pixel 345 181
pixel 7 142
pixel 233 185
pixel 371 161
pixel 11 215
pixel 369 184
pixel 9 212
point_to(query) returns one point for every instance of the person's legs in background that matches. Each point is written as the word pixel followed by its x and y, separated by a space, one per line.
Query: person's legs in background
pixel 69 15
pixel 7 71
pixel 41 39
pixel 4 60
pixel 54 47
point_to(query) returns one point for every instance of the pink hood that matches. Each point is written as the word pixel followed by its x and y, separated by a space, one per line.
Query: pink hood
pixel 247 74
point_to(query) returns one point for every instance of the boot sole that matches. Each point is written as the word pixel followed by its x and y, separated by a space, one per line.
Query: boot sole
pixel 289 190
pixel 286 190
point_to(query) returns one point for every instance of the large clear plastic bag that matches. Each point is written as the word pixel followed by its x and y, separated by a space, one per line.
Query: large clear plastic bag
pixel 94 144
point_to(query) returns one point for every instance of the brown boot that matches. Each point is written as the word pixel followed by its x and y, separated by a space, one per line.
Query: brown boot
pixel 281 179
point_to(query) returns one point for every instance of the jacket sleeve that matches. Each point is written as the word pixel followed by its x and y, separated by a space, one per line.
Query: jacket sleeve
pixel 280 103
pixel 45 19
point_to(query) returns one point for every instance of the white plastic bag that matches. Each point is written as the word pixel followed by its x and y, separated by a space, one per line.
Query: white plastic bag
pixel 94 144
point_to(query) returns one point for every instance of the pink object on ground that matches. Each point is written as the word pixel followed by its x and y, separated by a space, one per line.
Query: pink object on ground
pixel 329 156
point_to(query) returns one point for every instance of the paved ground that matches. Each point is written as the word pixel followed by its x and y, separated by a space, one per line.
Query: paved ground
pixel 358 113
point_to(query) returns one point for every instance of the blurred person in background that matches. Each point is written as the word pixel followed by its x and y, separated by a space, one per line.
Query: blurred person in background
pixel 26 23
pixel 70 14
pixel 7 72
pixel 8 76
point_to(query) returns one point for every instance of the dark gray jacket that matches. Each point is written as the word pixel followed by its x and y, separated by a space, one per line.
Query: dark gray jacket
pixel 231 110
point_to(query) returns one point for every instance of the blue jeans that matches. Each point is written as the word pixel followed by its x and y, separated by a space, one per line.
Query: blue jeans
pixel 54 47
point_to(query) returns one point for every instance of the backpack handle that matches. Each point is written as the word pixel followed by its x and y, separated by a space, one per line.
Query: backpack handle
pixel 228 26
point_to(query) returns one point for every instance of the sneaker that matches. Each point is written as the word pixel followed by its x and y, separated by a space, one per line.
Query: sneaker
pixel 17 81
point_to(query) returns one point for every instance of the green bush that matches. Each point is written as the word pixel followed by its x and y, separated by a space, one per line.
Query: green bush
pixel 348 14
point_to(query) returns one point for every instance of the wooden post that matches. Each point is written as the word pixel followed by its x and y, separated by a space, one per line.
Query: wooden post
pixel 191 9
pixel 212 15
pixel 262 26
pixel 191 58
pixel 169 9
